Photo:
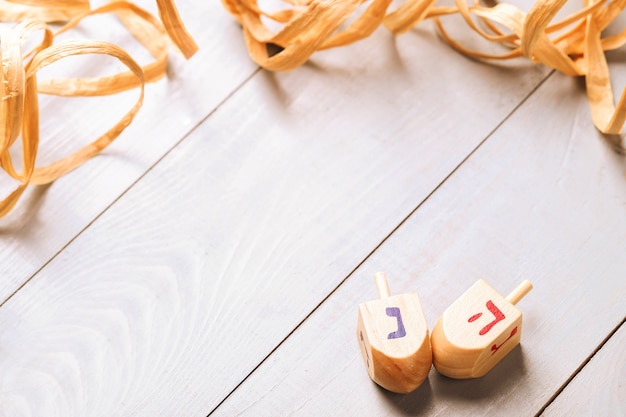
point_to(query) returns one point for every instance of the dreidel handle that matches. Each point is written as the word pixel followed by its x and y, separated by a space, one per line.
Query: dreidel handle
pixel 519 292
pixel 382 285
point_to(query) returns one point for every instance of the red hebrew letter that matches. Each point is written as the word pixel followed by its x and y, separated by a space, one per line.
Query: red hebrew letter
pixel 499 316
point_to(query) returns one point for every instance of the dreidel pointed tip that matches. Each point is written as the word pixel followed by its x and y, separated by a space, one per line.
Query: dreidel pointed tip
pixel 393 338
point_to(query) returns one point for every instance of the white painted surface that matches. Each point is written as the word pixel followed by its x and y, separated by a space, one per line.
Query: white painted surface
pixel 600 388
pixel 49 217
pixel 163 298
pixel 537 202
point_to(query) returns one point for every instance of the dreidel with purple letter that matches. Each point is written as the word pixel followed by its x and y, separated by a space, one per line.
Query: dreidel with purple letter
pixel 393 337
pixel 479 329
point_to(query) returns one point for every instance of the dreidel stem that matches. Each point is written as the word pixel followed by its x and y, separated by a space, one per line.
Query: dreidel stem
pixel 519 292
pixel 381 285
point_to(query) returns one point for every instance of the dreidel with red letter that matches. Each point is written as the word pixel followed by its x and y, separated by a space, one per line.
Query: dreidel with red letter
pixel 477 331
pixel 393 337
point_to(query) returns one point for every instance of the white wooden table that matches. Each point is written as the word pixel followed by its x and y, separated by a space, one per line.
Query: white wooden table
pixel 210 262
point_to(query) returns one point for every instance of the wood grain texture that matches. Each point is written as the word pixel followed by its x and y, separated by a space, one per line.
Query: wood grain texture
pixel 537 201
pixel 599 389
pixel 171 297
pixel 48 217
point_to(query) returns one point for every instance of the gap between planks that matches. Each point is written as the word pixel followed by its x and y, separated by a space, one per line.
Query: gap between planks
pixel 580 368
pixel 134 183
pixel 398 226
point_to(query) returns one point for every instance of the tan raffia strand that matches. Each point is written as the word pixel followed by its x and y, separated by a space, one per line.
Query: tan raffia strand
pixel 578 48
pixel 19 111
pixel 44 10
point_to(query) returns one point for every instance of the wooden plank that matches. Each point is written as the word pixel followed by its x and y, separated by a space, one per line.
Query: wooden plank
pixel 598 389
pixel 47 218
pixel 543 199
pixel 189 280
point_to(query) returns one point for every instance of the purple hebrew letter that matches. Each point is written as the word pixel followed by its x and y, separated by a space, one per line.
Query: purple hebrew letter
pixel 395 312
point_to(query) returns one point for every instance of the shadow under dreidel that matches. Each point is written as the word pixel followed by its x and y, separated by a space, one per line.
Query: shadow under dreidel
pixel 415 403
pixel 501 379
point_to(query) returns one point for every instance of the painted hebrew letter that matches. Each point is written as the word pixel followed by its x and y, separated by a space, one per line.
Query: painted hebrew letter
pixel 365 349
pixel 395 312
pixel 499 316
pixel 495 348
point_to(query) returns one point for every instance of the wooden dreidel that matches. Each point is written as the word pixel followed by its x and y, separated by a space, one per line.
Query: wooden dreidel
pixel 477 331
pixel 393 337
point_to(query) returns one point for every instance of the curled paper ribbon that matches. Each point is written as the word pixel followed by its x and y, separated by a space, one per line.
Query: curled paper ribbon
pixel 578 48
pixel 19 86
pixel 65 10
pixel 45 11
pixel 573 46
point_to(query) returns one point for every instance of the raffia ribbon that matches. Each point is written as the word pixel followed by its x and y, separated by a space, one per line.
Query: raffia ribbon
pixel 573 46
pixel 20 87
pixel 578 50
